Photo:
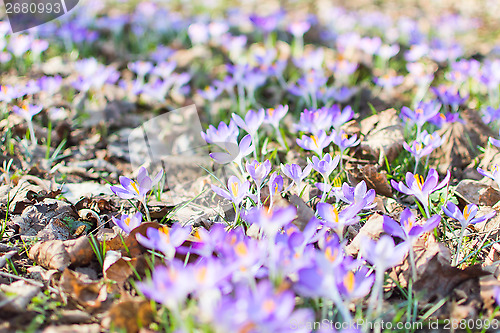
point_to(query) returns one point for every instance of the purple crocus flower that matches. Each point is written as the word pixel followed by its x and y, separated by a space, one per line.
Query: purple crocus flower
pixel 166 240
pixel 141 68
pixel 335 220
pixel 494 174
pixel 27 111
pixel 261 309
pixel 468 215
pixel 340 117
pixel 222 134
pixel 490 114
pixel 234 153
pixel 423 113
pixel 210 93
pixel 449 96
pixel 326 165
pixel 128 222
pixel 266 23
pixel 407 227
pixel 433 140
pixel 354 284
pixel 388 51
pixel 271 222
pixel 274 115
pixel 275 186
pixel 169 286
pixel 296 174
pixel 164 69
pixel 136 190
pixel 389 81
pixel 49 84
pixel 358 195
pixel 418 150
pixel 237 190
pixel 383 253
pixel 315 143
pixel 416 186
pixel 341 139
pixel 299 28
pixel 313 121
pixel 258 171
pixel 252 122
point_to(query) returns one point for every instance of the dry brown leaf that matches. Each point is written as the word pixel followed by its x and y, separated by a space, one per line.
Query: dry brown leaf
pixel 373 228
pixel 79 250
pixel 374 179
pixel 16 296
pixel 425 248
pixel 489 197
pixel 85 292
pixel 383 135
pixel 439 279
pixel 130 315
pixel 118 268
pixel 460 141
pixel 470 190
pixel 50 254
pixel 47 214
pixel 56 254
pixel 491 226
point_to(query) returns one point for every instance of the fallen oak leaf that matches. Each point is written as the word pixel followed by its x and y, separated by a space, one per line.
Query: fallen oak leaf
pixel 440 280
pixel 130 315
pixel 83 291
pixel 59 255
pixel 118 268
pixel 374 179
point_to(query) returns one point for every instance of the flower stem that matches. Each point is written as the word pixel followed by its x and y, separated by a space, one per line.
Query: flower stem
pixel 148 216
pixel 412 263
pixel 281 140
pixel 324 195
pixel 459 247
pixel 32 133
pixel 376 297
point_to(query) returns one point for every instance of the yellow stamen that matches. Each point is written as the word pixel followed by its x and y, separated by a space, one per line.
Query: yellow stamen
pixel 127 221
pixel 269 305
pixel 349 281
pixel 241 249
pixel 466 212
pixel 173 274
pixel 330 254
pixel 315 140
pixel 335 214
pixel 419 111
pixel 134 185
pixel 270 112
pixel 234 188
pixel 166 231
pixel 201 274
pixel 420 180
